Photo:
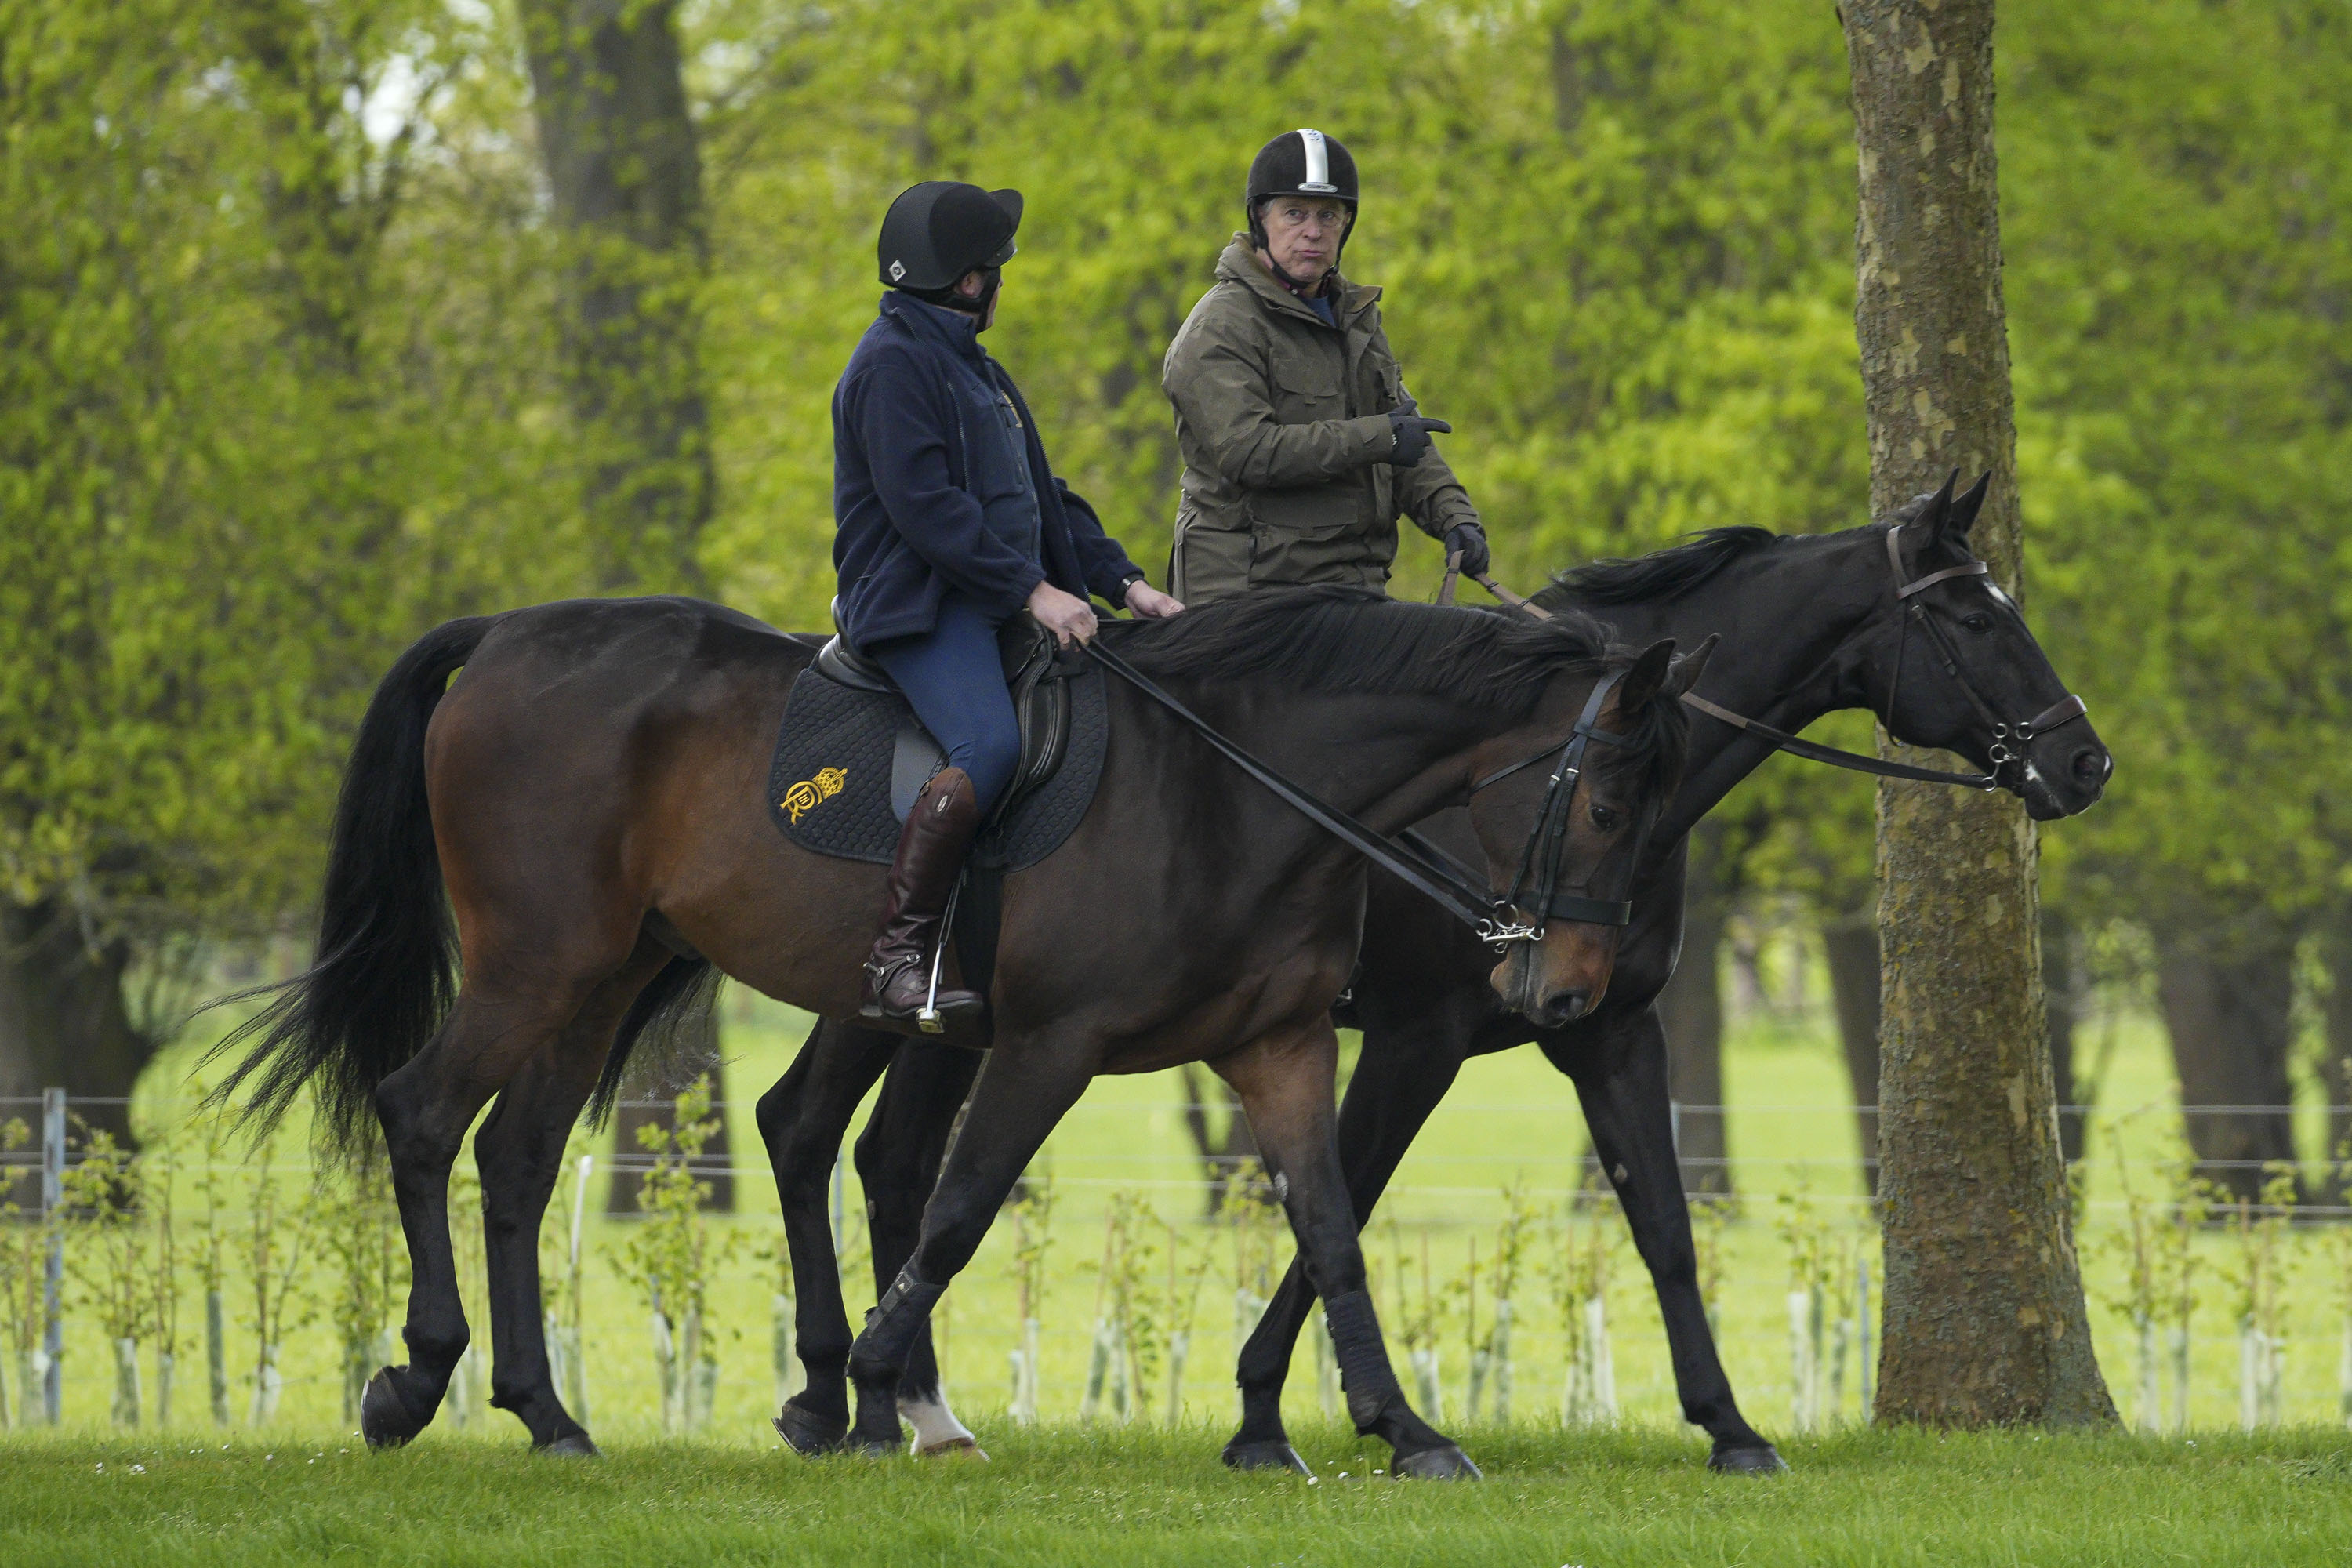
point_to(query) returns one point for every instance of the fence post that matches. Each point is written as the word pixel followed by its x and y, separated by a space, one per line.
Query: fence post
pixel 53 1179
pixel 1674 1127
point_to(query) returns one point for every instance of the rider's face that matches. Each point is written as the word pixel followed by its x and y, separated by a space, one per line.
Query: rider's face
pixel 1303 235
pixel 971 285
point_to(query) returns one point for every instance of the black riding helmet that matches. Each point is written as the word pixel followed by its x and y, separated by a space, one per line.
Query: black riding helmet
pixel 938 231
pixel 1301 163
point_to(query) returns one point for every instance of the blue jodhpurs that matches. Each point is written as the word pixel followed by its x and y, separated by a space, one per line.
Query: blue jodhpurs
pixel 954 679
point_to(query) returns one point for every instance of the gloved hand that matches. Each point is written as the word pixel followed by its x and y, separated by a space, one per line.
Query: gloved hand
pixel 1471 540
pixel 1412 432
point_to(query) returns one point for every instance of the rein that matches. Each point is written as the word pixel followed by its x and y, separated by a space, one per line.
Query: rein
pixel 2064 710
pixel 1413 859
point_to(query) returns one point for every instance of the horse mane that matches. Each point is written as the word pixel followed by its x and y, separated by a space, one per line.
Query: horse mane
pixel 1341 639
pixel 1663 573
pixel 1338 639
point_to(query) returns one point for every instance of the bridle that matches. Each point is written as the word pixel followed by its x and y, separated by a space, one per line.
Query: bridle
pixel 1421 864
pixel 2066 710
pixel 1909 608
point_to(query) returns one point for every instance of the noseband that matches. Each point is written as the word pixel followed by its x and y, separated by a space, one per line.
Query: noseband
pixel 2064 711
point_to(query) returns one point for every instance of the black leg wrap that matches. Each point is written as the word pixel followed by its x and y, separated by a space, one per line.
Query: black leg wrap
pixel 892 1325
pixel 1364 1371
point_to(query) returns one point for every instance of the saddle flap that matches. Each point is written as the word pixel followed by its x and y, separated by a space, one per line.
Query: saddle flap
pixel 914 759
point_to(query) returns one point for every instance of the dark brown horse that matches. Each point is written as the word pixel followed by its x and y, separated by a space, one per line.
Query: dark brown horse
pixel 1811 625
pixel 590 793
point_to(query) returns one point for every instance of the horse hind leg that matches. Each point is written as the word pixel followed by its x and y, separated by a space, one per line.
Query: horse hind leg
pixel 519 1152
pixel 898 1159
pixel 803 1120
pixel 425 1109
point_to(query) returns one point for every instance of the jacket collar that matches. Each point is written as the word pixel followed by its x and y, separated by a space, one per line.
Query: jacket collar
pixel 950 330
pixel 1239 264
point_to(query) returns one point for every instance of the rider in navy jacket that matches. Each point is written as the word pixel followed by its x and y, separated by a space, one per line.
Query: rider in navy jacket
pixel 950 524
pixel 907 497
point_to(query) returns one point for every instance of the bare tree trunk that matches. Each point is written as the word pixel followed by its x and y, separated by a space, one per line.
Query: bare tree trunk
pixel 1851 940
pixel 1691 1009
pixel 1984 1315
pixel 625 174
pixel 2228 1003
pixel 2335 1064
pixel 62 1019
pixel 664 1082
pixel 2062 1004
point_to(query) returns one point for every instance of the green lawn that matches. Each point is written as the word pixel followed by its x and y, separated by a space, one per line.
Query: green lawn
pixel 1070 1496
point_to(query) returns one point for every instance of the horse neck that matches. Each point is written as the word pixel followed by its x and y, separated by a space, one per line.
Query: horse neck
pixel 1790 617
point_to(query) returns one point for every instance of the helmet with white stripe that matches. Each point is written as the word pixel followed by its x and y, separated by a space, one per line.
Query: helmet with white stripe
pixel 1300 163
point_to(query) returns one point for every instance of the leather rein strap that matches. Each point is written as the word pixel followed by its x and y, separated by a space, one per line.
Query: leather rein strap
pixel 2065 710
pixel 1410 858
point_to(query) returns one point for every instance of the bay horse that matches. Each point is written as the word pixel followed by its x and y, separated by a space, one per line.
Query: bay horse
pixel 1811 625
pixel 590 793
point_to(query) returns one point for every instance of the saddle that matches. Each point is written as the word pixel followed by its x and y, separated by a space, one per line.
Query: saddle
pixel 851 756
pixel 1041 701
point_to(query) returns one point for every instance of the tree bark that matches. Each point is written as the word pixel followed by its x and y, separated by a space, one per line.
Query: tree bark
pixel 2335 1064
pixel 2227 1002
pixel 2062 1006
pixel 626 176
pixel 1984 1317
pixel 1691 1009
pixel 62 1020
pixel 664 1082
pixel 1851 942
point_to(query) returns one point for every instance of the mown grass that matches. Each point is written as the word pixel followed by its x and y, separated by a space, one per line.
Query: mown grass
pixel 1134 1497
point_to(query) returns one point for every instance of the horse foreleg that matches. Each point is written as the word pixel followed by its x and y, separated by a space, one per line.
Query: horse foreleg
pixel 520 1153
pixel 1405 1069
pixel 898 1159
pixel 1632 1134
pixel 1284 1083
pixel 1023 1091
pixel 802 1119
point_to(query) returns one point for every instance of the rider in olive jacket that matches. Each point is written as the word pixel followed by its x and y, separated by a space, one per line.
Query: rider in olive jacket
pixel 1300 443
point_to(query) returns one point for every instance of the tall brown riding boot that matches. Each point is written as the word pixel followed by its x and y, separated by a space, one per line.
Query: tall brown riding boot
pixel 932 848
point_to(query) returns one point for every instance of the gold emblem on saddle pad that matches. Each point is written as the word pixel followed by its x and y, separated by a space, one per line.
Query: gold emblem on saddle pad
pixel 810 793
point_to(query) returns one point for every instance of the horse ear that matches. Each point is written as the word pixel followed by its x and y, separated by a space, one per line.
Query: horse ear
pixel 1690 666
pixel 1937 513
pixel 1642 683
pixel 1964 510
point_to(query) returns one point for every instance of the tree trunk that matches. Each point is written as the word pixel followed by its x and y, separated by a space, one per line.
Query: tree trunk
pixel 1691 1008
pixel 2336 1065
pixel 1851 942
pixel 664 1082
pixel 62 1021
pixel 2227 1005
pixel 1984 1320
pixel 2062 998
pixel 619 148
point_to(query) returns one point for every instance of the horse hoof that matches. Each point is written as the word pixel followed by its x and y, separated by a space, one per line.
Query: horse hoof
pixel 874 1447
pixel 575 1447
pixel 1266 1453
pixel 384 1417
pixel 1446 1464
pixel 808 1434
pixel 1763 1461
pixel 955 1448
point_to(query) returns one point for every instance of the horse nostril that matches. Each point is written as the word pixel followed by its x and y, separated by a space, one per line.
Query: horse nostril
pixel 2093 765
pixel 1566 1007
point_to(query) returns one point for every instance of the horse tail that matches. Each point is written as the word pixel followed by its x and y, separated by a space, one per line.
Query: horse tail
pixel 672 1010
pixel 385 969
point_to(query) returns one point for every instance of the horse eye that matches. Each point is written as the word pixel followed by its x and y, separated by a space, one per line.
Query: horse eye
pixel 1603 818
pixel 1978 624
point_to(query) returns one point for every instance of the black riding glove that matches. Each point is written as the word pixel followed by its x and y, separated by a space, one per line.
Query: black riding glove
pixel 1412 432
pixel 1471 540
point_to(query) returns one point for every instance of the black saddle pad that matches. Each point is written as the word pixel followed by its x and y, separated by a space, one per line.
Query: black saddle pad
pixel 829 784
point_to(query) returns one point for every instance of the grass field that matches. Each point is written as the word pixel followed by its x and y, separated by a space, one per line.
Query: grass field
pixel 1160 1498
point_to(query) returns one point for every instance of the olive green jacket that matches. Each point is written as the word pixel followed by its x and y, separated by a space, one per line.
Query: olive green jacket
pixel 1283 425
